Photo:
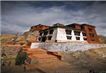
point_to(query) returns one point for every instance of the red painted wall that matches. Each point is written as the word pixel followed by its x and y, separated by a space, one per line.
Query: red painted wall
pixel 96 39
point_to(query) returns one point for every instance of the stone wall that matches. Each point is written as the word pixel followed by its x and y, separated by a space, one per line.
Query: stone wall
pixel 66 47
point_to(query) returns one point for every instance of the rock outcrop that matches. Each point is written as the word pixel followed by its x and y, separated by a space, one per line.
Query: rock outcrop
pixel 29 35
pixel 34 31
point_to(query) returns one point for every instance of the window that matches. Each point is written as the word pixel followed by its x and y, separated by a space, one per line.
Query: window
pixel 82 27
pixel 51 32
pixel 40 33
pixel 69 37
pixel 84 34
pixel 43 39
pixel 91 34
pixel 39 39
pixel 49 38
pixel 45 33
pixel 90 29
pixel 68 32
pixel 77 33
pixel 92 39
pixel 85 39
pixel 77 38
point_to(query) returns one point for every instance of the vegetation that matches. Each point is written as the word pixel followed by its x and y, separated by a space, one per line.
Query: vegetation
pixel 20 59
pixel 7 38
pixel 102 39
pixel 22 43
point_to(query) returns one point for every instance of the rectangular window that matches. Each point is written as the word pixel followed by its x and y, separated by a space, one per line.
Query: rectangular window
pixel 77 33
pixel 40 33
pixel 92 39
pixel 51 32
pixel 91 34
pixel 84 34
pixel 68 32
pixel 39 39
pixel 69 37
pixel 90 29
pixel 77 38
pixel 82 27
pixel 85 39
pixel 46 32
pixel 49 38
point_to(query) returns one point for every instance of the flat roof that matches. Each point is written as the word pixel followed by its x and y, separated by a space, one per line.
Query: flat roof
pixel 88 25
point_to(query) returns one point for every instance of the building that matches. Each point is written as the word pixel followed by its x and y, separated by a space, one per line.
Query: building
pixel 34 31
pixel 39 27
pixel 69 33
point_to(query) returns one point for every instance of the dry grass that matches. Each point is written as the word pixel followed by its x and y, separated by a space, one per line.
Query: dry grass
pixel 90 59
pixel 102 39
pixel 6 38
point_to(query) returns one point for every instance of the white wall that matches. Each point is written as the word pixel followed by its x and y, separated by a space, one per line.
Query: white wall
pixel 34 45
pixel 66 47
pixel 61 34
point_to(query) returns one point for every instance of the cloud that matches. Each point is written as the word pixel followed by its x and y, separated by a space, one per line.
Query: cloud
pixel 20 17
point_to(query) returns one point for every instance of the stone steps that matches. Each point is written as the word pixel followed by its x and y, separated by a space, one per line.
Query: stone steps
pixel 45 60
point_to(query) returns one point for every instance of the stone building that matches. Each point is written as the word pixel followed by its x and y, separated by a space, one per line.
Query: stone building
pixel 69 33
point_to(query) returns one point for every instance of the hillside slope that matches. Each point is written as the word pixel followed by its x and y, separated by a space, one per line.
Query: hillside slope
pixel 90 59
pixel 102 39
pixel 6 38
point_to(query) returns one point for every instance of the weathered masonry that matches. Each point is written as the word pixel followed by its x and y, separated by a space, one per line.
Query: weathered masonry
pixel 69 33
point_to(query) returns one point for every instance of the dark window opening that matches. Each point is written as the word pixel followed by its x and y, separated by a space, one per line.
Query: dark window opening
pixel 44 39
pixel 77 33
pixel 85 38
pixel 82 27
pixel 92 39
pixel 77 38
pixel 49 38
pixel 69 37
pixel 55 40
pixel 84 34
pixel 90 29
pixel 39 39
pixel 45 33
pixel 91 34
pixel 41 34
pixel 51 32
pixel 68 32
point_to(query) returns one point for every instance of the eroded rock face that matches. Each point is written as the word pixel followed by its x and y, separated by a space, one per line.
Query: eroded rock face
pixel 31 35
pixel 34 31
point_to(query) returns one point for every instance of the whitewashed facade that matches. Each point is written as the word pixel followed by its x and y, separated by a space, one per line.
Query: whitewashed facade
pixel 62 35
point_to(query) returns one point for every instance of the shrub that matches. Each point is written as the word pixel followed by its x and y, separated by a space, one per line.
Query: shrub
pixel 20 59
pixel 22 43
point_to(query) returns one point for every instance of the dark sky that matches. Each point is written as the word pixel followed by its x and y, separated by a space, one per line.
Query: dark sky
pixel 19 16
